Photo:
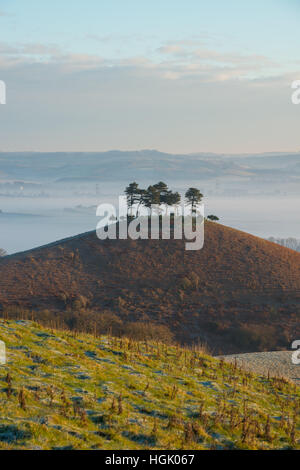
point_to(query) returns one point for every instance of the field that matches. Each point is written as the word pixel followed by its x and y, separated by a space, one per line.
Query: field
pixel 64 390
pixel 276 363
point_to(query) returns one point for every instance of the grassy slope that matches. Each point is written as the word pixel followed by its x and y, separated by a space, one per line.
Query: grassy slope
pixel 236 280
pixel 171 398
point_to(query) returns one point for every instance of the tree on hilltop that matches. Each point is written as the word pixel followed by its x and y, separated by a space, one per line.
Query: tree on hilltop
pixel 173 199
pixel 213 218
pixel 151 197
pixel 193 197
pixel 157 195
pixel 132 194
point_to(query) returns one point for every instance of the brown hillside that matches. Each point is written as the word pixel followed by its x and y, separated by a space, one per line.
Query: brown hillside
pixel 239 293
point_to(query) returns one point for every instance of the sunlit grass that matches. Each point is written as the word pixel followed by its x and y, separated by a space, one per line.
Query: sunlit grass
pixel 83 392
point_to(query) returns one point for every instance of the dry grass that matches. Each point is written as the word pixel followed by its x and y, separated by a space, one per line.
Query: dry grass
pixel 64 390
pixel 228 290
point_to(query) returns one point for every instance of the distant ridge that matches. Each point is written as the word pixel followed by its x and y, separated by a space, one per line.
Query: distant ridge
pixel 142 165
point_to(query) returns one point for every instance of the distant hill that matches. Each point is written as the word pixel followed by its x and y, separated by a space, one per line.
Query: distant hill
pixel 147 165
pixel 239 293
pixel 65 391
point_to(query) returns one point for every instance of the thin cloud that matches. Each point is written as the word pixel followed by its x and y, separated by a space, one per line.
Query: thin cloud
pixel 87 103
pixel 119 38
pixel 193 60
pixel 172 61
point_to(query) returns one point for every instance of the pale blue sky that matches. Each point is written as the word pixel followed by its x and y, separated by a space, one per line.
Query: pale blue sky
pixel 268 27
pixel 178 75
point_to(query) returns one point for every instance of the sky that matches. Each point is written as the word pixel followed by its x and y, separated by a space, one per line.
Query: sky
pixel 179 76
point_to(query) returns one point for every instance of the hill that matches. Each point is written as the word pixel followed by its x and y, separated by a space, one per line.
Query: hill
pixel 61 390
pixel 142 165
pixel 238 294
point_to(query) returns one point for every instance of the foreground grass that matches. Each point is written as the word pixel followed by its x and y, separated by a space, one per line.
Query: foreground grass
pixel 65 391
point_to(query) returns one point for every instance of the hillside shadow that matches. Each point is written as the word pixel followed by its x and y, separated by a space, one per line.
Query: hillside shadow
pixel 11 433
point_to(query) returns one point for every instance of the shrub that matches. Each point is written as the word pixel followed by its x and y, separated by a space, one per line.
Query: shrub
pixel 254 337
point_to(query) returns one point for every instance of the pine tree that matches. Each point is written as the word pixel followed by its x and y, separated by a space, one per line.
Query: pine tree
pixel 193 197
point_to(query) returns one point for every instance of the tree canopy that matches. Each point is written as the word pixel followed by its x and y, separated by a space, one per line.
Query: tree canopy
pixel 213 218
pixel 193 197
pixel 155 195
pixel 160 195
